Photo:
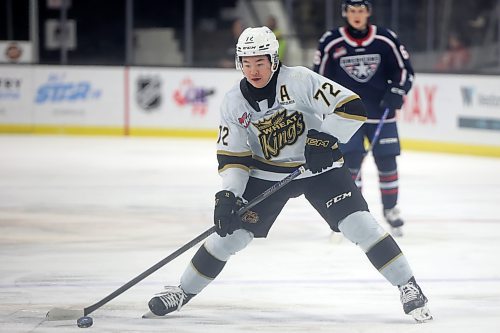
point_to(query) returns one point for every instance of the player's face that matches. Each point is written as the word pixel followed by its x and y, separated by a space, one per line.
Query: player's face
pixel 257 70
pixel 357 16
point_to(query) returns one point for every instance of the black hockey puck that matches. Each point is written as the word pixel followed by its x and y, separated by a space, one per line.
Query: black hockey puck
pixel 84 322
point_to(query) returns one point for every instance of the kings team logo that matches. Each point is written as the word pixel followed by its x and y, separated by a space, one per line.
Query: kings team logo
pixel 361 67
pixel 148 92
pixel 279 130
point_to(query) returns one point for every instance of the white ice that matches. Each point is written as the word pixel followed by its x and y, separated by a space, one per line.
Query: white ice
pixel 81 216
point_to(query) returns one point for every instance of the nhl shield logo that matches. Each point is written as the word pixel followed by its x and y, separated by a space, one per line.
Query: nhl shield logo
pixel 148 93
pixel 361 67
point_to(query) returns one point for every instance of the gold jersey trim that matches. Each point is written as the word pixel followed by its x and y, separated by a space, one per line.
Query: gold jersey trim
pixel 281 164
pixel 231 153
pixel 238 166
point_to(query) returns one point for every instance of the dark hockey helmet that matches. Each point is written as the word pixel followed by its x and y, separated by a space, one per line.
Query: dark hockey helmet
pixel 347 3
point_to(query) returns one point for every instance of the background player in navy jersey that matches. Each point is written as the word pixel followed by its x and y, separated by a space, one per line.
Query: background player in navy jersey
pixel 370 61
pixel 274 120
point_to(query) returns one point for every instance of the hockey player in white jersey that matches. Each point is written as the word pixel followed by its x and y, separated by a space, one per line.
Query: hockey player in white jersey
pixel 275 120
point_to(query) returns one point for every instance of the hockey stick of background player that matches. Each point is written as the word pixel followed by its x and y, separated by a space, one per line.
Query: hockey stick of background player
pixel 374 140
pixel 66 314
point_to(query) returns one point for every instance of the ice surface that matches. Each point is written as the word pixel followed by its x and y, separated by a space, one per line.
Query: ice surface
pixel 81 216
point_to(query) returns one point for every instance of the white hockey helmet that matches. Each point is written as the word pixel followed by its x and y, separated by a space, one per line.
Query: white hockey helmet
pixel 257 41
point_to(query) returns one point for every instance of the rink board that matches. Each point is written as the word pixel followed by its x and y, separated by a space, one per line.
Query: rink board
pixel 448 113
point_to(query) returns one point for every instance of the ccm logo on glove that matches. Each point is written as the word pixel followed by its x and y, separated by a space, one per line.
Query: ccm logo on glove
pixel 318 142
pixel 321 151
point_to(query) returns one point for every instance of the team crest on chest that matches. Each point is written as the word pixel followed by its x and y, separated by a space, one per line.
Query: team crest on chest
pixel 278 131
pixel 361 67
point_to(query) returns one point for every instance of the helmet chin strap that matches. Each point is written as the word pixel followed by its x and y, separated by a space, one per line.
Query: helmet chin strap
pixel 271 77
pixel 274 67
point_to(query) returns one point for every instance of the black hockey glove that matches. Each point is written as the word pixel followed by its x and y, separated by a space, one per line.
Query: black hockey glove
pixel 321 150
pixel 226 219
pixel 393 98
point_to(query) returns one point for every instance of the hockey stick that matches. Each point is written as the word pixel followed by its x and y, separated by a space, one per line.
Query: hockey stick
pixel 374 140
pixel 67 314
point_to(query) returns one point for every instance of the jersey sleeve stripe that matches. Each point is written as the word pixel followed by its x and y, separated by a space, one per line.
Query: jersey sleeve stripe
pixel 394 49
pixel 238 166
pixel 352 108
pixel 278 164
pixel 350 116
pixel 234 161
pixel 266 166
pixel 347 100
pixel 397 55
pixel 232 153
pixel 404 75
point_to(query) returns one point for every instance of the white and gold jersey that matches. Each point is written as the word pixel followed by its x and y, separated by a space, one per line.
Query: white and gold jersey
pixel 267 141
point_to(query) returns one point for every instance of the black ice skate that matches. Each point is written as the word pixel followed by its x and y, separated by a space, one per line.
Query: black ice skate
pixel 414 301
pixel 392 216
pixel 171 299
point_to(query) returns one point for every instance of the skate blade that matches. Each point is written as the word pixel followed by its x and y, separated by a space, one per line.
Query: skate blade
pixel 151 315
pixel 421 315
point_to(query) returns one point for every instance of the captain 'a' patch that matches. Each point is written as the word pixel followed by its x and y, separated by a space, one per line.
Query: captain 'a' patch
pixel 284 98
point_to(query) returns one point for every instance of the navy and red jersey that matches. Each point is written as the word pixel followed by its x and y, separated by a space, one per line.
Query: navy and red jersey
pixel 368 66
